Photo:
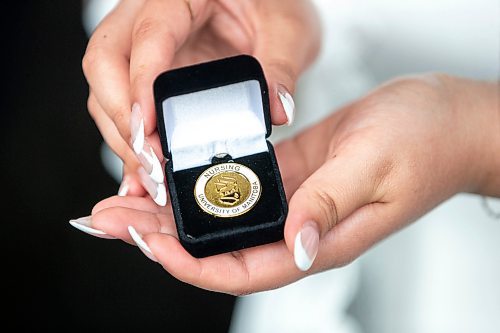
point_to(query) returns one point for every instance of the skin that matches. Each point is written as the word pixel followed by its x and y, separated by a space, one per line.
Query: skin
pixel 365 172
pixel 140 39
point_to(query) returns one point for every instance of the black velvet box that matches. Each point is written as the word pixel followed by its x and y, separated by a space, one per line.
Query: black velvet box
pixel 214 119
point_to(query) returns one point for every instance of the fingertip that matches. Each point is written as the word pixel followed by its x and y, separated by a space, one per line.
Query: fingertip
pixel 141 243
pixel 306 245
pixel 282 105
pixel 297 216
pixel 137 135
pixel 281 78
pixel 287 103
pixel 85 224
pixel 103 204
pixel 107 219
pixel 135 188
pixel 144 101
pixel 124 187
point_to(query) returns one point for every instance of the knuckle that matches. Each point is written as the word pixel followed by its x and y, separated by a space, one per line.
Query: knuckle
pixel 119 117
pixel 385 169
pixel 91 58
pixel 326 204
pixel 242 284
pixel 88 61
pixel 91 107
pixel 144 28
pixel 240 291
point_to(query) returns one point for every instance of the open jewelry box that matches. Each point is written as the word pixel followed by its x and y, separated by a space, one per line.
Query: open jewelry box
pixel 224 183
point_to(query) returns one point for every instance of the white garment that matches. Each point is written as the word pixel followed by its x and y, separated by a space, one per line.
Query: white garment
pixel 441 274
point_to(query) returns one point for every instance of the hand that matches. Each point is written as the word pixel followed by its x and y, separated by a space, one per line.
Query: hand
pixel 140 39
pixel 363 173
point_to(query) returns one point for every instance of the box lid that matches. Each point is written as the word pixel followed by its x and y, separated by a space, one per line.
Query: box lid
pixel 210 105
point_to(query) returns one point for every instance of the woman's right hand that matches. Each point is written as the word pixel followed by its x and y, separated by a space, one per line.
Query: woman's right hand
pixel 140 39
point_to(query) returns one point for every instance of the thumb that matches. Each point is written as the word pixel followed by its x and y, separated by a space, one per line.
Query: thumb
pixel 336 190
pixel 288 40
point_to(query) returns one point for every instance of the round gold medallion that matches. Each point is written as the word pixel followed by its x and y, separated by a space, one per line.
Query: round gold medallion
pixel 227 189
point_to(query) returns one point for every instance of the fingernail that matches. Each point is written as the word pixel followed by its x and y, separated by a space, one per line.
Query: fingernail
pixel 306 246
pixel 141 243
pixel 157 191
pixel 123 190
pixel 287 102
pixel 137 128
pixel 151 163
pixel 142 148
pixel 85 224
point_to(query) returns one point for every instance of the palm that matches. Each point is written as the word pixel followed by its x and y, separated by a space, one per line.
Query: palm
pixel 240 272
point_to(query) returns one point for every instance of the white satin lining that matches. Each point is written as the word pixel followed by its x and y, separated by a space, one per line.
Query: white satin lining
pixel 226 119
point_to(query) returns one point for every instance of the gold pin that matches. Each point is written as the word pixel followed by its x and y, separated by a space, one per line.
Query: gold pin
pixel 227 189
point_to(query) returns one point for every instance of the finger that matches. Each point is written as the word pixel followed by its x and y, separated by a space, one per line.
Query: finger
pixel 348 180
pixel 299 156
pixel 106 64
pixel 97 223
pixel 115 221
pixel 110 133
pixel 161 28
pixel 139 203
pixel 131 183
pixel 359 232
pixel 238 273
pixel 288 41
pixel 241 272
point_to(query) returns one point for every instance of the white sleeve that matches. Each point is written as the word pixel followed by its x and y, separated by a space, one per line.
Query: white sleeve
pixel 94 11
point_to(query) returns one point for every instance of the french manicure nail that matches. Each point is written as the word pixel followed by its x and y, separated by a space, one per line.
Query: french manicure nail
pixel 306 246
pixel 142 148
pixel 141 243
pixel 151 163
pixel 157 191
pixel 85 224
pixel 137 128
pixel 287 102
pixel 123 190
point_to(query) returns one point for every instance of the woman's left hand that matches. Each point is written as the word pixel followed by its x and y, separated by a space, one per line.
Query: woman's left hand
pixel 353 179
pixel 140 39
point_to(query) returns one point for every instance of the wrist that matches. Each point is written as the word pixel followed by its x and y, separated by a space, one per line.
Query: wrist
pixel 491 183
pixel 478 105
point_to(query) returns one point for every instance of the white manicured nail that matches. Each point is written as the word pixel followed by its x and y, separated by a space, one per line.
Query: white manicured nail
pixel 123 190
pixel 151 163
pixel 287 102
pixel 157 191
pixel 85 224
pixel 306 246
pixel 141 146
pixel 141 243
pixel 137 128
pixel 161 195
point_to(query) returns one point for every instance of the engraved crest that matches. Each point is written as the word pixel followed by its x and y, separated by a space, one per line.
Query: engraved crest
pixel 228 189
